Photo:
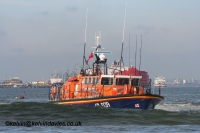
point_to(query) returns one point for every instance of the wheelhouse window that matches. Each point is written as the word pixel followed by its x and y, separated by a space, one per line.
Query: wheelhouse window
pixel 134 82
pixel 86 80
pixel 106 81
pixel 122 81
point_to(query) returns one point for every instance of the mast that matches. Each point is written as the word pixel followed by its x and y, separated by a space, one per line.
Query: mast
pixel 84 59
pixel 129 51
pixel 121 60
pixel 135 54
pixel 140 54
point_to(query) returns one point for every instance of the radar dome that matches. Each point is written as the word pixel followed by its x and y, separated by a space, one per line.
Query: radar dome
pixel 102 57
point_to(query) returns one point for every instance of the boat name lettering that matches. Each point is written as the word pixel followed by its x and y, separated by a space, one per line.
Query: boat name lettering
pixel 104 104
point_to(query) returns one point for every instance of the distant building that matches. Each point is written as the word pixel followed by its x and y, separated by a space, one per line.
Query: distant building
pixel 14 80
pixel 184 81
pixel 176 81
pixel 192 80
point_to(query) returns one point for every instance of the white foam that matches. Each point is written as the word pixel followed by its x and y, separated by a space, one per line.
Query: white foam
pixel 4 103
pixel 178 107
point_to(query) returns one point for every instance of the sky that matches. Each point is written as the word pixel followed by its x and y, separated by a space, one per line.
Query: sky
pixel 43 37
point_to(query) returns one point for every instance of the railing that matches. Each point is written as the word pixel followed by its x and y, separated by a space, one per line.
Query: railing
pixel 56 93
pixel 149 88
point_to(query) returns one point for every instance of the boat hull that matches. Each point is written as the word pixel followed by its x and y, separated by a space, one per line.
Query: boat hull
pixel 145 101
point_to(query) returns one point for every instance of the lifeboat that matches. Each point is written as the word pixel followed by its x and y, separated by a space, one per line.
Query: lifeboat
pixel 95 87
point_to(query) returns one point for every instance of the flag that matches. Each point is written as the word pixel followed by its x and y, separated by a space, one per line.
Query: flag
pixel 89 57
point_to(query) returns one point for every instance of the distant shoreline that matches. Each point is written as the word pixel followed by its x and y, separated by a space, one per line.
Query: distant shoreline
pixel 195 85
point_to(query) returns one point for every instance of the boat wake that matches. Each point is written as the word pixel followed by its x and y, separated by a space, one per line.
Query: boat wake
pixel 179 107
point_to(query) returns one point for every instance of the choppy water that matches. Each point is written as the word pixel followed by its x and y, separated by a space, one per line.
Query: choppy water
pixel 178 112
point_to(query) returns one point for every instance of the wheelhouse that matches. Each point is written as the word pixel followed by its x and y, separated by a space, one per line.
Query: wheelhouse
pixel 120 80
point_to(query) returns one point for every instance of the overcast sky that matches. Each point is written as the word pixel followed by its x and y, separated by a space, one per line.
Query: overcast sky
pixel 39 37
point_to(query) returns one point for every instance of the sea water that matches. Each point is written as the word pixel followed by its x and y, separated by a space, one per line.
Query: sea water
pixel 178 112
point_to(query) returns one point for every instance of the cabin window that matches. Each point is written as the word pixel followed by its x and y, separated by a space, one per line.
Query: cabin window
pixel 86 81
pixel 89 80
pixel 95 80
pixel 134 82
pixel 106 81
pixel 83 80
pixel 122 81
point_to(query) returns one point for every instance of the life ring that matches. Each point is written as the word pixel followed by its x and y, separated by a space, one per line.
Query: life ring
pixel 114 92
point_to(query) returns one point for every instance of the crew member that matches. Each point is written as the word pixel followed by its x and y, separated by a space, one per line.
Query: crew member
pixel 98 70
pixel 82 72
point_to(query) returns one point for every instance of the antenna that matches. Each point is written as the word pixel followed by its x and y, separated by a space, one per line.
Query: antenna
pixel 98 40
pixel 135 54
pixel 124 23
pixel 140 54
pixel 121 60
pixel 129 51
pixel 86 25
pixel 84 59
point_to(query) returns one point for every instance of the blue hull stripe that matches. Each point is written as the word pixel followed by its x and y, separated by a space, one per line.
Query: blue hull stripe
pixel 138 102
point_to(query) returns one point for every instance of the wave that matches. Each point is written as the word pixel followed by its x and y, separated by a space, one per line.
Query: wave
pixel 4 103
pixel 97 116
pixel 179 107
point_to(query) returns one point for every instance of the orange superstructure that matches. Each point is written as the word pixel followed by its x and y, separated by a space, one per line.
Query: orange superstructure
pixel 104 85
